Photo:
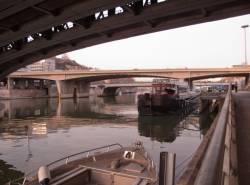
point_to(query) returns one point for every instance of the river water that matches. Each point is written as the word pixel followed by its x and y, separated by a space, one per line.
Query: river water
pixel 34 132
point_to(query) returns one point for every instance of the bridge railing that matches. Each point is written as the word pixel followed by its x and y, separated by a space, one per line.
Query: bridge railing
pixel 219 165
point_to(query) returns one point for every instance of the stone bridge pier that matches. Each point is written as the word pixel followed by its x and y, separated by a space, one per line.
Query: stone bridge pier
pixel 73 88
pixel 190 83
pixel 247 81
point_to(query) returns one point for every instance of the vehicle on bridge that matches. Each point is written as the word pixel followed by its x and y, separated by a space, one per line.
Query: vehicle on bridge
pixel 166 96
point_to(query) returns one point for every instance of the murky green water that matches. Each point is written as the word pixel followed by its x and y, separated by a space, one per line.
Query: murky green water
pixel 34 132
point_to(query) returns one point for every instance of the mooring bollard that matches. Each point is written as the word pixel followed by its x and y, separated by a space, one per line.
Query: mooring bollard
pixel 167 168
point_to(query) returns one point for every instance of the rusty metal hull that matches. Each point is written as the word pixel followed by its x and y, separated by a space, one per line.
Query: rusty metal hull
pixel 157 104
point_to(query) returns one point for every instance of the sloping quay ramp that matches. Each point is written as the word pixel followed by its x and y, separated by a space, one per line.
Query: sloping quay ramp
pixel 215 161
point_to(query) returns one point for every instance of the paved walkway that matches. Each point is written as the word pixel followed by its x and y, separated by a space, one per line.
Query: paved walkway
pixel 242 109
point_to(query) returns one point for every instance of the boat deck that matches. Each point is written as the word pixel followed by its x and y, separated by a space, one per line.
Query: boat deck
pixel 102 169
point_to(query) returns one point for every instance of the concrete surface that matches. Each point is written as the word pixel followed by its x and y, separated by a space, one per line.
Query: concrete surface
pixel 242 110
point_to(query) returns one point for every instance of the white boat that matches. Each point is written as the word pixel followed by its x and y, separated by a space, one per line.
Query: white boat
pixel 112 164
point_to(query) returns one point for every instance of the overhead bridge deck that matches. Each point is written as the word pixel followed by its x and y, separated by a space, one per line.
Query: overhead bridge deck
pixel 32 30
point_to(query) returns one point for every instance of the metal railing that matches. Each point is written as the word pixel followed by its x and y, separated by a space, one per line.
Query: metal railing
pixel 65 160
pixel 230 162
pixel 220 161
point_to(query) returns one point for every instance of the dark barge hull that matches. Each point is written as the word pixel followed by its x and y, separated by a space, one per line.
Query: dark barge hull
pixel 153 104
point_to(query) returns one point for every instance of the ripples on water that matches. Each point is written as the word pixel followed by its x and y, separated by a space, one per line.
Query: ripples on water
pixel 34 132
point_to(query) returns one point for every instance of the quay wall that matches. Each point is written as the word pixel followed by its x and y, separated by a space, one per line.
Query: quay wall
pixel 4 94
pixel 23 93
pixel 34 93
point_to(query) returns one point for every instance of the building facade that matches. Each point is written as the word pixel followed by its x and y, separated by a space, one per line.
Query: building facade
pixel 55 63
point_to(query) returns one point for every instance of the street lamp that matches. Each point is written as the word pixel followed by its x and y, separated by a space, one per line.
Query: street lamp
pixel 244 27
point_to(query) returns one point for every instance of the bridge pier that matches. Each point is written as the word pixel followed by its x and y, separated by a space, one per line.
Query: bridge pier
pixel 82 89
pixel 9 83
pixel 190 83
pixel 72 89
pixel 246 80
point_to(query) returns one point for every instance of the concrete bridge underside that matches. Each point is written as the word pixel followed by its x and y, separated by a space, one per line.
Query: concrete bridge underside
pixel 38 29
pixel 105 90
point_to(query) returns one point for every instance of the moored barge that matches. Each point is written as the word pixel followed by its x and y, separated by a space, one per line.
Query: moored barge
pixel 166 96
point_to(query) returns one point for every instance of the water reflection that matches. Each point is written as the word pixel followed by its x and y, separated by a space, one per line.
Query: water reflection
pixel 21 109
pixel 206 119
pixel 168 127
pixel 82 108
pixel 38 131
pixel 162 129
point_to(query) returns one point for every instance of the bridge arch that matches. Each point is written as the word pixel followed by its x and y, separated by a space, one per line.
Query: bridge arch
pixel 46 29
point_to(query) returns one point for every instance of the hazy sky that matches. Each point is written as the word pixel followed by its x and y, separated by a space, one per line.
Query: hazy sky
pixel 214 44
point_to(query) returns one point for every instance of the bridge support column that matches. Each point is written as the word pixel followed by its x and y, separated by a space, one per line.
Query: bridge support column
pixel 246 80
pixel 5 92
pixel 190 84
pixel 58 86
pixel 9 83
pixel 83 88
pixel 72 89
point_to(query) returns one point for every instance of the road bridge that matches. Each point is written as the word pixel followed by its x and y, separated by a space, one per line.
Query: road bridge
pixel 188 74
pixel 77 83
pixel 38 29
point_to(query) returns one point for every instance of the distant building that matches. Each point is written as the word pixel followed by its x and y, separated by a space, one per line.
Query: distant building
pixel 38 66
pixel 55 64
